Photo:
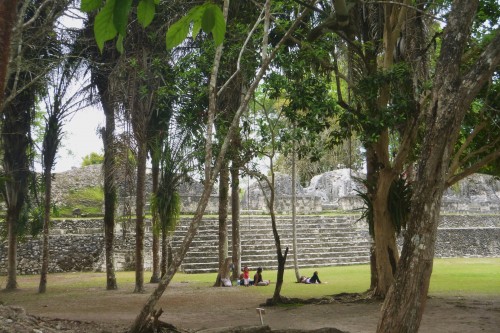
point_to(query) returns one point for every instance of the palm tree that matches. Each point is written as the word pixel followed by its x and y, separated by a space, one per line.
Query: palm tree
pixel 58 108
pixel 35 50
pixel 101 65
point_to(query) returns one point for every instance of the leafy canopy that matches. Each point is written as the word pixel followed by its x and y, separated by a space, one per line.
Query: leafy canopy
pixel 112 18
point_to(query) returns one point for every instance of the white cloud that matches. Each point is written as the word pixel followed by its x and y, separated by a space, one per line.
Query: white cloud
pixel 80 138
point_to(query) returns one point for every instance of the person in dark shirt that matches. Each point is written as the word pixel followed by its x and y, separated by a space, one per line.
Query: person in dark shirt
pixel 315 278
pixel 257 278
pixel 312 279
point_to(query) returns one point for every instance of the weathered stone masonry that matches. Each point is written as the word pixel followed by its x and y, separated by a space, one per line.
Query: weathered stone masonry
pixel 469 226
pixel 78 245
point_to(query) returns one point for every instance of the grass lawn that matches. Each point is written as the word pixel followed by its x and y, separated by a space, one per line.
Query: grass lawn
pixel 458 276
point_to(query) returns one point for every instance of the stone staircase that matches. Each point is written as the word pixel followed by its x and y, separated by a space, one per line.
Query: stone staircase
pixel 321 241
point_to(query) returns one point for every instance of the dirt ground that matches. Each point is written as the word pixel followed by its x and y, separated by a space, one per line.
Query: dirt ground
pixel 196 308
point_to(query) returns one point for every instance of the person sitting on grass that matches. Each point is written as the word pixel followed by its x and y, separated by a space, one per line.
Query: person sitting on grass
pixel 257 279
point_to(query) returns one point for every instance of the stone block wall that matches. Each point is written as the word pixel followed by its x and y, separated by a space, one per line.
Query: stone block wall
pixel 78 244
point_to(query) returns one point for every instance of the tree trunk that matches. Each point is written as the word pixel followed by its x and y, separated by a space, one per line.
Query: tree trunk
pixel 280 255
pixel 155 276
pixel 109 188
pixel 294 214
pixel 8 13
pixel 373 267
pixel 164 252
pixel 386 251
pixel 223 203
pixel 235 217
pixel 15 127
pixel 12 217
pixel 224 273
pixel 451 96
pixel 139 222
pixel 46 222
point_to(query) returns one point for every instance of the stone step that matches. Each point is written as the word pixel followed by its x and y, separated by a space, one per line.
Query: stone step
pixel 272 265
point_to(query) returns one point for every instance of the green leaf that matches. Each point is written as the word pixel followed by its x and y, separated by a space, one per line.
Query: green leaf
pixel 90 5
pixel 196 28
pixel 146 12
pixel 104 29
pixel 120 15
pixel 219 29
pixel 208 19
pixel 119 44
pixel 177 33
pixel 195 15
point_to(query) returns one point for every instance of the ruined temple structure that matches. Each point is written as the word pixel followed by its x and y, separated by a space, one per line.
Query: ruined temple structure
pixel 331 191
pixel 469 226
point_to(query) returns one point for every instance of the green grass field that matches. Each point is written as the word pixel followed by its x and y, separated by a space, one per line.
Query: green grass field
pixel 459 276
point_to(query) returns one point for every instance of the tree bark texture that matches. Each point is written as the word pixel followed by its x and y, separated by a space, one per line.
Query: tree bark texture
pixel 8 14
pixel 164 252
pixel 451 96
pixel 109 190
pixel 155 276
pixel 46 222
pixel 12 250
pixel 139 218
pixel 15 126
pixel 235 217
pixel 223 205
pixel 294 214
pixel 386 251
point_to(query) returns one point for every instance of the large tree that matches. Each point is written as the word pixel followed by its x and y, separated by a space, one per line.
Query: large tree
pixel 35 51
pixel 455 85
pixel 59 104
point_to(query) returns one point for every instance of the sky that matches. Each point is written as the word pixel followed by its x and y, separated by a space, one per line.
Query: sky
pixel 80 138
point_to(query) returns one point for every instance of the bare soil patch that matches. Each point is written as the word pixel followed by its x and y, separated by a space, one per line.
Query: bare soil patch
pixel 196 308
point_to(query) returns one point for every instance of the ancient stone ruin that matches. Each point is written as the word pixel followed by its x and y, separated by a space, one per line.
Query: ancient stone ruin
pixel 469 226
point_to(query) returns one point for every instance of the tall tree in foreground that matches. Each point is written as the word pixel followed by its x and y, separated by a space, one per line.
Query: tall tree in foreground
pixel 101 65
pixel 34 53
pixel 58 106
pixel 455 85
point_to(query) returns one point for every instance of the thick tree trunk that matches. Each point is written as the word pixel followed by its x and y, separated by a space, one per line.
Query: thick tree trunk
pixel 386 251
pixel 15 126
pixel 155 276
pixel 139 222
pixel 46 222
pixel 235 217
pixel 452 94
pixel 223 203
pixel 403 309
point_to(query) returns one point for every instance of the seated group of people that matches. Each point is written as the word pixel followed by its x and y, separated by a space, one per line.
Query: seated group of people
pixel 259 281
pixel 257 278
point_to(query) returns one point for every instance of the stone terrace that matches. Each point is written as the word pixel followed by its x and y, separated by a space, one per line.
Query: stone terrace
pixel 321 241
pixel 78 244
